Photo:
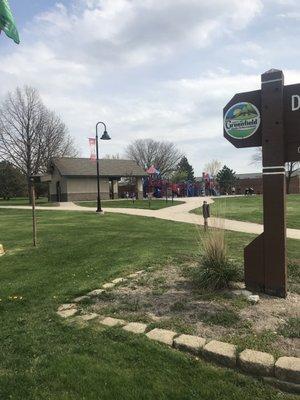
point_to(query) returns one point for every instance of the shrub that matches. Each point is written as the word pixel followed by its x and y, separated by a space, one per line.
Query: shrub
pixel 291 328
pixel 178 306
pixel 215 269
pixel 294 277
pixel 224 317
pixel 294 271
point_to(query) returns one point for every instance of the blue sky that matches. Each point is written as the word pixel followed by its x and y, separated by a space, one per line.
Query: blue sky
pixel 162 69
pixel 25 10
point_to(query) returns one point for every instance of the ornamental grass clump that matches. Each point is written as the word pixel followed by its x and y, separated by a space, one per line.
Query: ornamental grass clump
pixel 215 269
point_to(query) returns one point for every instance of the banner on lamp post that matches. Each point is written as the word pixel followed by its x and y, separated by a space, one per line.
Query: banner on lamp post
pixel 92 143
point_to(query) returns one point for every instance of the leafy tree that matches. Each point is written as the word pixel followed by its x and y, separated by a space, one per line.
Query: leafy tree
pixel 185 166
pixel 179 176
pixel 226 179
pixel 12 181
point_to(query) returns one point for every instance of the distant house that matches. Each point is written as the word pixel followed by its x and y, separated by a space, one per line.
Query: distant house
pixel 75 179
pixel 254 180
pixel 251 180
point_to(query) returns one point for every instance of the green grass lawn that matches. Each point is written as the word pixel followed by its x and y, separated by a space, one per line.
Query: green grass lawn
pixel 249 208
pixel 24 201
pixel 41 357
pixel 144 204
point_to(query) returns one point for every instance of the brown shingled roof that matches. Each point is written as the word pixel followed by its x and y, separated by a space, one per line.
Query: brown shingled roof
pixel 108 167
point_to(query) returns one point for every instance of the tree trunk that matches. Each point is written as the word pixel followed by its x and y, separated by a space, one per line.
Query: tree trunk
pixel 288 181
pixel 29 191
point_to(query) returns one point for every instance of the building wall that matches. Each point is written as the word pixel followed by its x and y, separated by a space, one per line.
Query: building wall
pixel 77 189
pixel 113 188
pixel 257 185
pixel 295 184
pixel 56 177
pixel 86 188
pixel 243 184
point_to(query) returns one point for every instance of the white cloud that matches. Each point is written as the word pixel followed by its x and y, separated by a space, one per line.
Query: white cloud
pixel 290 15
pixel 110 31
pixel 161 69
pixel 250 62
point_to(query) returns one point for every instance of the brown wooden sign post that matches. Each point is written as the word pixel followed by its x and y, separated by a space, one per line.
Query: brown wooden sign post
pixel 270 118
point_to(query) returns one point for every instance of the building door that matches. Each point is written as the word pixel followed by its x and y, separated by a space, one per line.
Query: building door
pixel 58 192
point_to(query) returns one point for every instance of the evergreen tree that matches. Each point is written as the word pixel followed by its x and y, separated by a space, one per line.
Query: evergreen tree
pixel 12 181
pixel 179 177
pixel 185 166
pixel 226 179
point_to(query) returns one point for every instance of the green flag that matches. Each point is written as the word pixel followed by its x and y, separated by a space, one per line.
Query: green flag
pixel 7 22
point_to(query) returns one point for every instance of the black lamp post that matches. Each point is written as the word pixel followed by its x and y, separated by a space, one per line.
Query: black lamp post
pixel 105 136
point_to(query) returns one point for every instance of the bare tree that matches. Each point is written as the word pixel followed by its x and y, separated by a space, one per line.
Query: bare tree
pixel 291 167
pixel 112 156
pixel 30 134
pixel 256 158
pixel 213 167
pixel 163 155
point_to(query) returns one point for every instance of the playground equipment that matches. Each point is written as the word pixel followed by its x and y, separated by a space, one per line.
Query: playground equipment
pixel 158 187
pixel 209 185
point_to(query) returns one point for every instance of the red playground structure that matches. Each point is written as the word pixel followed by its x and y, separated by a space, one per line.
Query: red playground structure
pixel 158 187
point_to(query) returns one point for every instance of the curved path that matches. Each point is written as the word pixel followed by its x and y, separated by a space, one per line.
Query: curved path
pixel 179 213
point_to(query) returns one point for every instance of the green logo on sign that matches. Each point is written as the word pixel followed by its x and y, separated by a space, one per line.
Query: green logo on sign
pixel 241 120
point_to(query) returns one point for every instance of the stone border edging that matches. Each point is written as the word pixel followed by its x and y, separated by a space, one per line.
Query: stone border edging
pixel 283 373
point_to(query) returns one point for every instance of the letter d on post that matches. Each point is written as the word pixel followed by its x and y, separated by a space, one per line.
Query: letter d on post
pixel 295 102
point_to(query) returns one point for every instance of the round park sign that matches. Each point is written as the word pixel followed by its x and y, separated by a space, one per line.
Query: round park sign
pixel 241 120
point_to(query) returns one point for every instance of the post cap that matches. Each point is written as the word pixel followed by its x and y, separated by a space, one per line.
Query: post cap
pixel 272 74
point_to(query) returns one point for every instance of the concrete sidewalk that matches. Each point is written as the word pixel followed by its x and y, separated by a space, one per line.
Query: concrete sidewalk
pixel 178 213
